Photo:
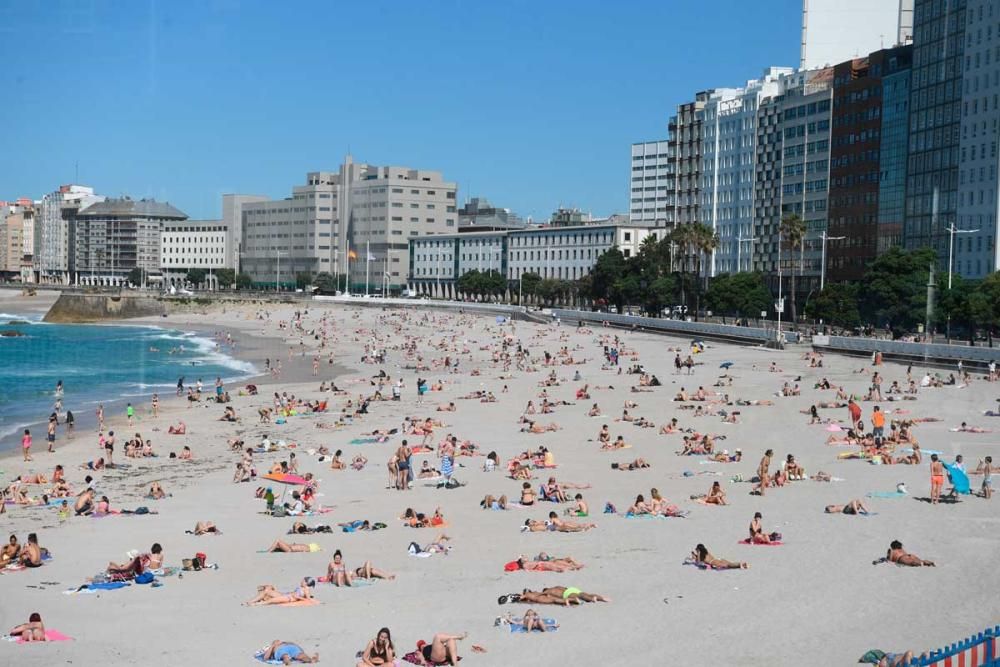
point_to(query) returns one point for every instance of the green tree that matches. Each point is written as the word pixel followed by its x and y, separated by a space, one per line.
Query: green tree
pixel 836 304
pixel 135 276
pixel 529 284
pixel 196 276
pixel 226 278
pixel 326 283
pixel 793 230
pixel 610 266
pixel 894 291
pixel 244 281
pixel 471 283
pixel 302 279
pixel 738 295
pixel 659 294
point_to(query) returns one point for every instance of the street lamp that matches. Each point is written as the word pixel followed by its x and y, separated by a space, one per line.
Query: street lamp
pixel 277 271
pixel 822 261
pixel 951 246
pixel 739 247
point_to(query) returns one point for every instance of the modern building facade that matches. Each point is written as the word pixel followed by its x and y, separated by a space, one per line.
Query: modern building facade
pixel 729 143
pixel 974 253
pixel 356 221
pixel 651 189
pixel 55 216
pixel 834 31
pixel 932 179
pixel 793 163
pixel 685 144
pixel 558 252
pixel 114 236
pixel 866 106
pixel 194 244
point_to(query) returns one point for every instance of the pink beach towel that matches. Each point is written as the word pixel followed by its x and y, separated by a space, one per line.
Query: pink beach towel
pixel 50 636
pixel 834 428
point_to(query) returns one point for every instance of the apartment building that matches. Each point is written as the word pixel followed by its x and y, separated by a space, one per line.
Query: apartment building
pixel 651 190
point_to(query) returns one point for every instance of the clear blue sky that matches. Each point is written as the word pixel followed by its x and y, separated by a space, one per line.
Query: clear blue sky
pixel 531 103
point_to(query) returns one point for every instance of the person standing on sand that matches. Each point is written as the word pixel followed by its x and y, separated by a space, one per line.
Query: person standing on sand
pixel 765 464
pixel 156 405
pixel 937 479
pixel 26 445
pixel 70 420
pixel 180 385
pixel 109 449
pixel 100 417
pixel 855 411
pixel 130 413
pixel 403 455
pixel 51 434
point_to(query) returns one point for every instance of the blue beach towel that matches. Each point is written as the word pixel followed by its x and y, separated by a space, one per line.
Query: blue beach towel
pixel 517 625
pixel 886 494
pixel 958 479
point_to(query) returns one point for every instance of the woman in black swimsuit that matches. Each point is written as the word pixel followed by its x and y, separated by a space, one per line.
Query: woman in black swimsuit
pixel 379 651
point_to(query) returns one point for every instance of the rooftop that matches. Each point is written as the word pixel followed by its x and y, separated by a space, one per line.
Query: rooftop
pixel 140 208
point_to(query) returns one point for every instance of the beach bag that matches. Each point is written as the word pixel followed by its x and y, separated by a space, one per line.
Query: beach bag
pixel 775 537
pixel 145 578
pixel 414 548
pixel 142 510
pixel 511 566
pixel 279 511
pixel 187 564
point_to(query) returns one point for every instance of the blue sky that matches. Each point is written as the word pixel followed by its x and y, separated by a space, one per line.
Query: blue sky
pixel 532 104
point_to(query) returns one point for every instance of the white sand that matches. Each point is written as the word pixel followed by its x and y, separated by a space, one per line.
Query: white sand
pixel 816 598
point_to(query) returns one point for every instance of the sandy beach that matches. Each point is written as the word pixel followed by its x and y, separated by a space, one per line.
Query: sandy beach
pixel 815 598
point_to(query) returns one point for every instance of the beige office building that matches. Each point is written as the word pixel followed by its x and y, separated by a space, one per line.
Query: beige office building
pixel 360 217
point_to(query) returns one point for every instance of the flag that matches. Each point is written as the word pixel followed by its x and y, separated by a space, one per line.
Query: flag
pixel 352 255
pixel 371 257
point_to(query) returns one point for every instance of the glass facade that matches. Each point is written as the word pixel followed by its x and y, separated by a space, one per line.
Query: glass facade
pixel 892 160
pixel 935 107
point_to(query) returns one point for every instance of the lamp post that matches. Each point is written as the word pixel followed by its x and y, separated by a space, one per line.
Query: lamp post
pixel 277 271
pixel 951 245
pixel 822 262
pixel 739 247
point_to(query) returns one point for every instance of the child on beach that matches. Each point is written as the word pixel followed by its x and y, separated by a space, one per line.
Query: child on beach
pixel 26 445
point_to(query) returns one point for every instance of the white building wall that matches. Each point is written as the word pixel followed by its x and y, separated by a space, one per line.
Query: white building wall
pixel 837 30
pixel 195 244
pixel 651 184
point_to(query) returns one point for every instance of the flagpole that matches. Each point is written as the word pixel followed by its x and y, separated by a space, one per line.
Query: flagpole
pixel 368 259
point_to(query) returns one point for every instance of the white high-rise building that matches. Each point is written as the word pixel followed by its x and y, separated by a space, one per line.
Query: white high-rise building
pixel 837 30
pixel 728 151
pixel 651 193
pixel 52 248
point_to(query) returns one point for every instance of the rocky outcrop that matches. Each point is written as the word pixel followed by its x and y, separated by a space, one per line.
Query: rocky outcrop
pixel 77 308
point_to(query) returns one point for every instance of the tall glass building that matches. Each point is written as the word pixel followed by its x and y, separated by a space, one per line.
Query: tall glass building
pixel 935 123
pixel 893 149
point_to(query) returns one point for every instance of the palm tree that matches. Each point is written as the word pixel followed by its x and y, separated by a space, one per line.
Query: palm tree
pixel 683 237
pixel 705 242
pixel 793 230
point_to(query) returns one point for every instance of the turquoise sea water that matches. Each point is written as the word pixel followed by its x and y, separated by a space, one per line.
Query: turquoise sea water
pixel 97 363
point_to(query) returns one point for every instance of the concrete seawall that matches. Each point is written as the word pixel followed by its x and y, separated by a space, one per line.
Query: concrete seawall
pixel 78 308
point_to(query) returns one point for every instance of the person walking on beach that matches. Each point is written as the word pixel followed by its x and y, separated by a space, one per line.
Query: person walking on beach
pixel 762 472
pixel 70 421
pixel 51 435
pixel 878 425
pixel 130 413
pixel 156 405
pixel 26 445
pixel 180 385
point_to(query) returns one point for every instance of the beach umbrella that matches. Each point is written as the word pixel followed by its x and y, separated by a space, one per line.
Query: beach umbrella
pixel 726 364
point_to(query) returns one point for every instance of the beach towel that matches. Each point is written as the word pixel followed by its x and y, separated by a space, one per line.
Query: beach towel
pixel 517 625
pixel 958 479
pixel 886 494
pixel 365 441
pixel 761 544
pixel 286 478
pixel 676 515
pixel 50 636
pixel 311 602
pixel 833 428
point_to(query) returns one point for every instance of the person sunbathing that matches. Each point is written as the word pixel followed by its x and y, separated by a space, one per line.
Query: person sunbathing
pixel 579 508
pixel 896 554
pixel 534 427
pixel 94 465
pixel 358 462
pixel 156 492
pixel 757 534
pixel 379 651
pixel 368 571
pixel 633 465
pixel 595 411
pixel 619 443
pixel 449 407
pixel 670 427
pixel 702 557
pixel 965 428
pixel 854 507
pixel 914 458
pixel 725 457
pixel 716 496
pixel 204 528
pixel 532 621
pixel 442 649
pixel 427 472
pixel 573 595
pixel 545 564
pixel 492 503
pixel 287 653
pixel 283 547
pixel 562 526
pixel 639 507
pixel 180 429
pixel 268 594
pixel 32 631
